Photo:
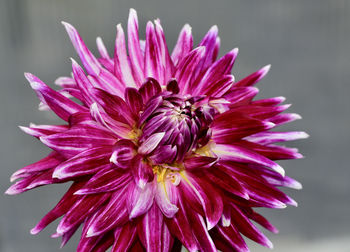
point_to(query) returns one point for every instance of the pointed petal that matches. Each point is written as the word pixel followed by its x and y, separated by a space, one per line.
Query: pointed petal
pixel 151 143
pixel 86 162
pixel 122 66
pixel 140 200
pixel 253 78
pixel 185 70
pixel 89 61
pixel 136 56
pixel 59 104
pixel 152 55
pixel 149 89
pixel 166 198
pixel 183 45
pixel 239 154
pixel 102 48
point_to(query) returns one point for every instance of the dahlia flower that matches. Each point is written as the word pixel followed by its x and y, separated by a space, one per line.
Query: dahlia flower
pixel 164 150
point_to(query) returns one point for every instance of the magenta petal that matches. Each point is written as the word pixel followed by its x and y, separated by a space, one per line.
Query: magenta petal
pixel 152 55
pixel 142 172
pixel 166 198
pixel 61 208
pixel 106 180
pixel 151 229
pixel 151 143
pixel 102 48
pixel 183 45
pixel 185 69
pixel 273 137
pixel 140 200
pixel 59 104
pixel 110 216
pixel 135 53
pixel 149 89
pixel 215 72
pixel 239 154
pixel 122 66
pixel 124 238
pixel 76 140
pixel 84 207
pixel 82 82
pixel 84 163
pixel 89 61
pixel 248 229
pixel 232 236
pixel 134 100
pixel 253 78
pixel 49 162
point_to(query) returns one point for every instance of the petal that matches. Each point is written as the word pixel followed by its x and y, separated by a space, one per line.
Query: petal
pixel 239 154
pixel 102 48
pixel 61 208
pixel 166 198
pixel 87 162
pixel 88 59
pixel 166 61
pixel 124 238
pixel 273 137
pixel 59 104
pixel 112 215
pixel 135 53
pixel 49 162
pixel 240 96
pixel 152 231
pixel 152 55
pixel 183 45
pixel 122 68
pixel 134 100
pixel 215 72
pixel 149 89
pixel 151 143
pixel 78 139
pixel 105 180
pixel 82 208
pixel 43 130
pixel 253 78
pixel 140 200
pixel 185 70
pixel 142 171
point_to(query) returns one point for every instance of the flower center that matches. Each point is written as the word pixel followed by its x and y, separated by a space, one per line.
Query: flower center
pixel 173 127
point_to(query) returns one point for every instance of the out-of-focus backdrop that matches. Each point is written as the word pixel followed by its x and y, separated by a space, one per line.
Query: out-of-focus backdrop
pixel 307 43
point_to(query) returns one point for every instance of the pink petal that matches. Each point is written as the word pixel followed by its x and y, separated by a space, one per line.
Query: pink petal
pixel 239 154
pixel 253 78
pixel 43 130
pixel 140 200
pixel 88 59
pixel 59 104
pixel 142 171
pixel 135 53
pixel 106 180
pixel 149 89
pixel 124 238
pixel 87 162
pixel 122 66
pixel 102 48
pixel 166 197
pixel 151 143
pixel 61 208
pixel 76 140
pixel 110 216
pixel 152 55
pixel 82 208
pixel 185 69
pixel 273 137
pixel 215 72
pixel 183 45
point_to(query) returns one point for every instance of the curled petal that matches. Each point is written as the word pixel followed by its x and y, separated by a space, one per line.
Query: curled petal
pixel 140 200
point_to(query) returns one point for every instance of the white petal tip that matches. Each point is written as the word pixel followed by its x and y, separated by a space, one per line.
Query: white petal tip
pixel 266 68
pixel 34 231
pixel 10 191
pixel 90 232
pixel 296 185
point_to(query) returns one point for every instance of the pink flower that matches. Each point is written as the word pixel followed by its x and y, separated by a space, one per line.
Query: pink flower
pixel 163 150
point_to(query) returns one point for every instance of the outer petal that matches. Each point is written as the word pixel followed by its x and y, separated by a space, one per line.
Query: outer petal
pixel 239 154
pixel 136 56
pixel 253 78
pixel 122 66
pixel 59 104
pixel 183 45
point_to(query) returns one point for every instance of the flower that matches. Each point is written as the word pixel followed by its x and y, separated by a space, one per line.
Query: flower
pixel 163 150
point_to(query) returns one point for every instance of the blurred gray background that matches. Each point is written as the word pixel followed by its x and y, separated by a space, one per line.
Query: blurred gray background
pixel 307 43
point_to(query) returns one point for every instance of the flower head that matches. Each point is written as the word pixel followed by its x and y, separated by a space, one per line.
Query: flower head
pixel 162 149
